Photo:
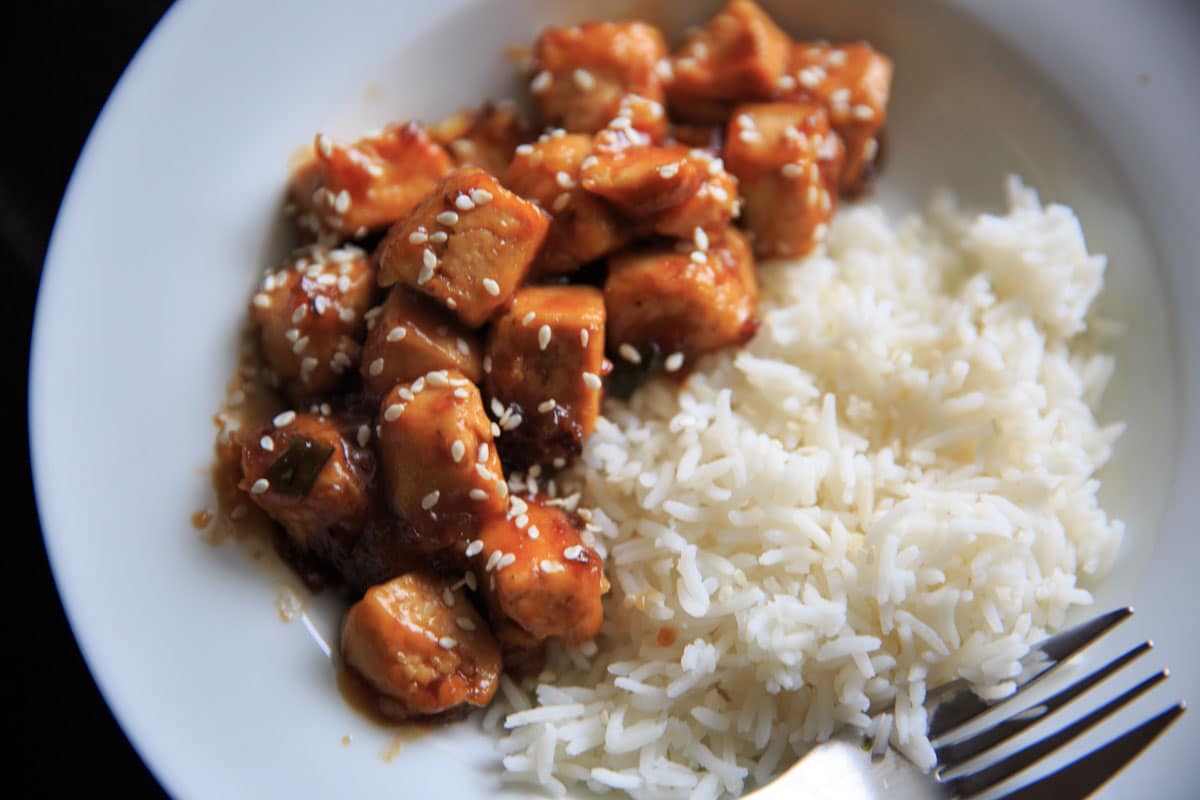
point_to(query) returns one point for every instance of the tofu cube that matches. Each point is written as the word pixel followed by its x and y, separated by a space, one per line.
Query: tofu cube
pixel 738 56
pixel 581 73
pixel 535 571
pixel 421 646
pixel 584 227
pixel 440 468
pixel 713 205
pixel 410 336
pixel 483 137
pixel 468 245
pixel 681 300
pixel 544 362
pixel 309 314
pixel 787 160
pixel 852 82
pixel 350 190
pixel 639 178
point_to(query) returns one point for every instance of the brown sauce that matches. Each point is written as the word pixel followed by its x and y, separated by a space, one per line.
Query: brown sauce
pixel 201 519
pixel 362 698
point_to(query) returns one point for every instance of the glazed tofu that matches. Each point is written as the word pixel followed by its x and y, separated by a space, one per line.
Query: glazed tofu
pixel 440 468
pixel 483 137
pixel 853 82
pixel 681 301
pixel 544 360
pixel 641 179
pixel 351 190
pixel 713 205
pixel 410 336
pixel 309 314
pixel 421 645
pixel 584 227
pixel 787 160
pixel 738 56
pixel 306 475
pixel 582 72
pixel 534 571
pixel 468 245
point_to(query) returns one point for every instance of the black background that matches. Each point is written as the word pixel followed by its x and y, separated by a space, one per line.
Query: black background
pixel 61 61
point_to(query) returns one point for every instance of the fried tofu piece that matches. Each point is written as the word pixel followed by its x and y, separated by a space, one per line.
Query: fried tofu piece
pixel 350 190
pixel 483 137
pixel 853 82
pixel 440 468
pixel 674 301
pixel 306 475
pixel 309 315
pixel 534 571
pixel 641 179
pixel 581 73
pixel 468 245
pixel 713 205
pixel 421 645
pixel 584 227
pixel 544 360
pixel 738 56
pixel 410 336
pixel 788 160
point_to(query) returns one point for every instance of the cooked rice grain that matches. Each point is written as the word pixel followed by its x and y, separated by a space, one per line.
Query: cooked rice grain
pixel 891 486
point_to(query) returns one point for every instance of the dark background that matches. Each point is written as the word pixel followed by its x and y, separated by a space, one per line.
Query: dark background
pixel 61 61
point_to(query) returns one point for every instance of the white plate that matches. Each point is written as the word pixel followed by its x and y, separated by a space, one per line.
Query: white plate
pixel 172 213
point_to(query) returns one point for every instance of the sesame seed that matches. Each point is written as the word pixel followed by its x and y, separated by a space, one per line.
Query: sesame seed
pixel 463 347
pixel 480 197
pixel 719 193
pixel 673 362
pixel 437 237
pixel 458 450
pixel 448 597
pixel 589 162
pixel 307 365
pixel 236 397
pixel 419 384
pixel 668 170
pixel 487 364
pixel 502 488
pixel 284 419
pixel 262 300
pixel 478 494
pixel 591 380
pixel 483 472
pixel 259 486
pixel 584 80
pixel 339 362
pixel 840 97
pixel 267 443
pixel 559 462
pixel 551 567
pixel 376 367
pixel 292 334
pixel 791 170
pixel 506 560
pixel 561 201
pixel 563 180
pixel 546 406
pixel 699 257
pixel 583 337
pixel 364 435
pixel 544 336
pixel 820 231
pixel 524 149
pixel 541 82
pixel 430 500
pixel 533 532
pixel 438 378
pixel 425 275
pixel 343 284
pixel 447 218
pixel 447 642
pixel 327 279
pixel 528 318
pixel 493 559
pixel 342 204
pixel 786 83
pixel 700 238
pixel 482 455
pixel 491 287
pixel 629 353
pixel 393 412
pixel 495 431
pixel 836 58
pixel 451 303
pixel 745 121
pixel 300 313
pixel 418 236
pixel 512 423
pixel 324 145
pixel 863 112
pixel 749 136
pixel 465 623
pixel 469 580
pixel 397 333
pixel 463 203
pixel 474 548
pixel 347 315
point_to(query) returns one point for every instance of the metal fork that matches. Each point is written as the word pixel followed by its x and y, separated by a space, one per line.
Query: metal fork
pixel 844 768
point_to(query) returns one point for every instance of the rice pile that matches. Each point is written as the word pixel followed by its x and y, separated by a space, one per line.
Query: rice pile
pixel 891 486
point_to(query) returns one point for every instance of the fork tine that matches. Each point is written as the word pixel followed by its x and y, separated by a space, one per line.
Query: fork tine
pixel 972 783
pixel 965 705
pixel 958 752
pixel 1083 776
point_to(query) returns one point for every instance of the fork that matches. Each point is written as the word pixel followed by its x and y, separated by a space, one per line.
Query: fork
pixel 843 768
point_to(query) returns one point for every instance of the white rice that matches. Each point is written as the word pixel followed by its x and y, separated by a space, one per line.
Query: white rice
pixel 893 485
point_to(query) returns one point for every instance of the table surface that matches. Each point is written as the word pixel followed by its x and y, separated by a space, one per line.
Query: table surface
pixel 63 61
